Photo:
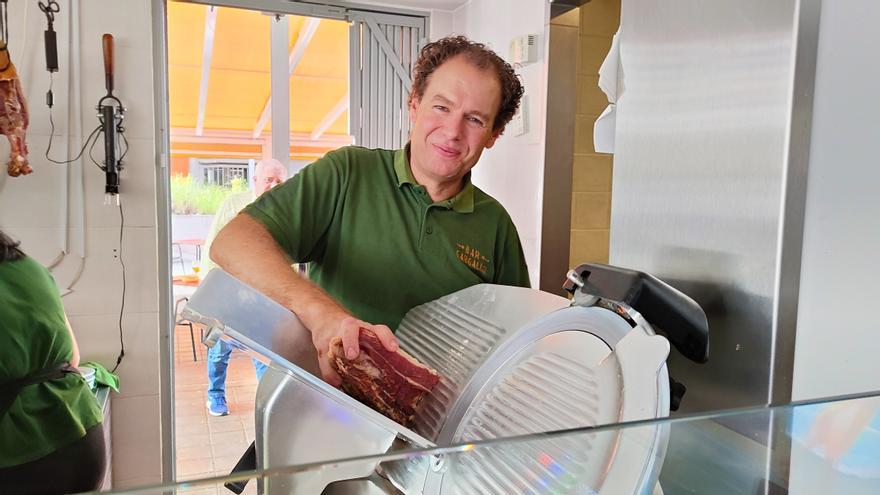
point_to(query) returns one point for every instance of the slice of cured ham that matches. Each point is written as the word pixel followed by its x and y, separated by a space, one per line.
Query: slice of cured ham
pixel 13 116
pixel 392 383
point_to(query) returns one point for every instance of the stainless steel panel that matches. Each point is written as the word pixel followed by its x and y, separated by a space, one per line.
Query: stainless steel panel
pixel 324 430
pixel 245 316
pixel 700 167
pixel 258 322
pixel 373 485
pixel 794 203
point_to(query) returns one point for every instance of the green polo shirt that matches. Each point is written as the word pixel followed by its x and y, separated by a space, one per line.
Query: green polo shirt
pixel 376 242
pixel 33 336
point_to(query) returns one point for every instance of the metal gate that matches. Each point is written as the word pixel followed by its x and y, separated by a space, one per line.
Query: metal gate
pixel 383 50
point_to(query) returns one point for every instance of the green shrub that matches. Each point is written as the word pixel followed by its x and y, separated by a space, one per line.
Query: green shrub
pixel 189 197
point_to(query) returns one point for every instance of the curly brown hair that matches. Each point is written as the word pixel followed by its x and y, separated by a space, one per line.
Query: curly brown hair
pixel 434 54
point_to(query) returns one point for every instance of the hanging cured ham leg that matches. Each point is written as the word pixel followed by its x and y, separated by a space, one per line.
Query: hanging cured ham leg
pixel 13 115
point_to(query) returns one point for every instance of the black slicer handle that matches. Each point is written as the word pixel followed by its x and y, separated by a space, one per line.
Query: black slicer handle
pixel 248 462
pixel 674 314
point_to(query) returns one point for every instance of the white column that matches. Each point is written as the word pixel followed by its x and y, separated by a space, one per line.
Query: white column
pixel 280 90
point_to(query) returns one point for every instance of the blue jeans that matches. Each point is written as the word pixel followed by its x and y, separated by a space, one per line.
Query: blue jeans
pixel 218 361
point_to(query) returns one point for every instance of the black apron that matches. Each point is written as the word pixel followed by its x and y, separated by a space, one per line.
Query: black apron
pixel 9 391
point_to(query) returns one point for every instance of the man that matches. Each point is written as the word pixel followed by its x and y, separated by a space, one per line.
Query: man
pixel 387 230
pixel 267 174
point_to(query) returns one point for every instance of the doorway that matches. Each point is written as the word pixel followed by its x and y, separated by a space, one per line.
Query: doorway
pixel 220 111
pixel 340 77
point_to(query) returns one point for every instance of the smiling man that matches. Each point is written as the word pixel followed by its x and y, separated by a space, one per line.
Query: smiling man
pixel 386 230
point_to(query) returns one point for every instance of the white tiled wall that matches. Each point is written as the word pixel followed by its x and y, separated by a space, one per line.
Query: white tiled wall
pixel 34 208
pixel 513 170
pixel 136 451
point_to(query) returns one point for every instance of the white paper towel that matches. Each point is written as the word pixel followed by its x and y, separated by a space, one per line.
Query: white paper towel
pixel 603 130
pixel 611 83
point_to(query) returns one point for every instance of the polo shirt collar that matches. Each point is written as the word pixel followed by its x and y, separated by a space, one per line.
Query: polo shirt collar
pixel 463 202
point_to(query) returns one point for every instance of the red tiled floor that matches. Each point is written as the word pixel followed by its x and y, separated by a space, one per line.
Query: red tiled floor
pixel 207 445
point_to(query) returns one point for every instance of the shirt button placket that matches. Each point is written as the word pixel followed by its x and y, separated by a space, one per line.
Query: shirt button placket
pixel 424 229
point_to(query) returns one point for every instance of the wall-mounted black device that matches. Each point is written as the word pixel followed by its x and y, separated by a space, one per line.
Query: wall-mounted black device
pixel 110 113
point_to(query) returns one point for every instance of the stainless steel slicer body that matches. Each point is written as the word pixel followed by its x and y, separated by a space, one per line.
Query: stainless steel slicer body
pixel 513 361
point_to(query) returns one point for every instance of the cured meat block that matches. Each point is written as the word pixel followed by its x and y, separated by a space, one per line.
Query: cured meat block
pixel 392 383
pixel 13 116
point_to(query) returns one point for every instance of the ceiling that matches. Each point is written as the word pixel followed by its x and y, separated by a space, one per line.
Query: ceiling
pixel 236 82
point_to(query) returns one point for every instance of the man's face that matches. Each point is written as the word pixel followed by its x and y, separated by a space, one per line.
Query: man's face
pixel 267 176
pixel 452 121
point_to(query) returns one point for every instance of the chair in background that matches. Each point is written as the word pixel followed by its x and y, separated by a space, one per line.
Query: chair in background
pixel 179 321
pixel 178 257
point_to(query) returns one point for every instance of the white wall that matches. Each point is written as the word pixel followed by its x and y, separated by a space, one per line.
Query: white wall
pixel 37 208
pixel 441 24
pixel 837 348
pixel 513 170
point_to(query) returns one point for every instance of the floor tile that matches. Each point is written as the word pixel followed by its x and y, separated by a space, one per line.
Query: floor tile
pixel 225 423
pixel 189 452
pixel 227 437
pixel 194 468
pixel 203 439
pixel 223 465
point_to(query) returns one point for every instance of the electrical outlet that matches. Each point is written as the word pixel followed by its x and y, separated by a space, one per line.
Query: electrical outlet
pixel 524 49
pixel 517 125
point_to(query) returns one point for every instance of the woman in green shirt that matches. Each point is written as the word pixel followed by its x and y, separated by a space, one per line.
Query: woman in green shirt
pixel 50 422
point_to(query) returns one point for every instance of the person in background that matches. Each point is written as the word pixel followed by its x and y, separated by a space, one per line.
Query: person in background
pixel 386 230
pixel 267 174
pixel 51 440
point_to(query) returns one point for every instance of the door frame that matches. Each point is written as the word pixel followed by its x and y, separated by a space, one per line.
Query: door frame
pixel 328 9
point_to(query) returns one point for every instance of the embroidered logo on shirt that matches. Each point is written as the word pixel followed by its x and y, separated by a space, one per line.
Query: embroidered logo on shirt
pixel 471 257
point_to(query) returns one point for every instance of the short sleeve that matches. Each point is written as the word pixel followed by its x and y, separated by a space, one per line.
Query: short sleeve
pixel 298 214
pixel 512 268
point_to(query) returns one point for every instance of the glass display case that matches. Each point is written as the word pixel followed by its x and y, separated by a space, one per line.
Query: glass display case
pixel 821 447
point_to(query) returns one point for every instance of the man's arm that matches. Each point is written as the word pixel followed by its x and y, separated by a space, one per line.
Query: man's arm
pixel 246 250
pixel 74 361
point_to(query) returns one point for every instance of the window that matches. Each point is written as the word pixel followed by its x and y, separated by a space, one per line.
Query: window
pixel 220 172
pixel 223 173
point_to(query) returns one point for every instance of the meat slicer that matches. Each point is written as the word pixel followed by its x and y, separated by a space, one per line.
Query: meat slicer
pixel 513 361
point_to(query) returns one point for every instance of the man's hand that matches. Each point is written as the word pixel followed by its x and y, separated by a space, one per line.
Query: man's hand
pixel 246 250
pixel 349 329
